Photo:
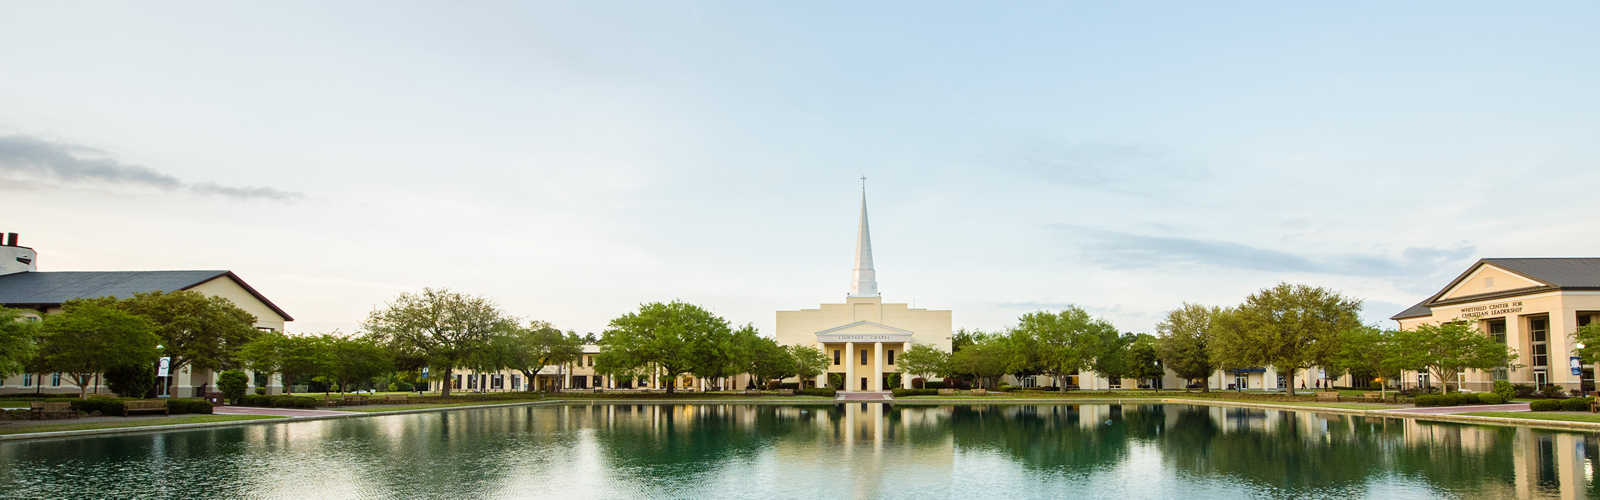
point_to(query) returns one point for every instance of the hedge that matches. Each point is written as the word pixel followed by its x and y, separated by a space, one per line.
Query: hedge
pixel 900 393
pixel 1569 404
pixel 1490 398
pixel 278 401
pixel 113 406
pixel 179 406
pixel 1454 399
pixel 823 391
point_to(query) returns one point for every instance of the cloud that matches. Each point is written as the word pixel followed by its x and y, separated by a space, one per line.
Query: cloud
pixel 1125 250
pixel 1128 168
pixel 29 158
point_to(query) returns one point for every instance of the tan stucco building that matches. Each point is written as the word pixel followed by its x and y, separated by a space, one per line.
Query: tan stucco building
pixel 1533 305
pixel 37 293
pixel 863 335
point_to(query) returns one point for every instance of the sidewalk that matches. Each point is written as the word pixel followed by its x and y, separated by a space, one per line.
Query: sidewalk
pixel 1450 410
pixel 276 412
pixel 865 396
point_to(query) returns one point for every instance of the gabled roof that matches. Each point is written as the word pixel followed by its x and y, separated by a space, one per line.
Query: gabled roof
pixel 892 330
pixel 34 289
pixel 1552 274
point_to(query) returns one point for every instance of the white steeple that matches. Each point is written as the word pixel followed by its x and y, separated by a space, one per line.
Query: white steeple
pixel 864 282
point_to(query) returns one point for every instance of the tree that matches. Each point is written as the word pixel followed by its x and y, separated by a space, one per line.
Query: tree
pixel 989 356
pixel 1447 350
pixel 233 384
pixel 86 339
pixel 16 341
pixel 1287 327
pixel 1589 337
pixel 1060 344
pixel 1371 351
pixel 529 349
pixel 1142 361
pixel 720 355
pixel 196 330
pixel 769 361
pixel 287 355
pixel 354 360
pixel 660 339
pixel 446 328
pixel 809 362
pixel 1112 358
pixel 923 360
pixel 131 381
pixel 1185 340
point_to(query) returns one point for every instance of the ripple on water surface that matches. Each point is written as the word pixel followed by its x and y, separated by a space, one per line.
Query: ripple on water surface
pixel 816 451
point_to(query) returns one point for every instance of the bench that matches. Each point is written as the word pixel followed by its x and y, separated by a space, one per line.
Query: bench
pixel 1594 406
pixel 785 392
pixel 145 405
pixel 397 399
pixel 354 400
pixel 46 409
pixel 1328 396
pixel 947 392
pixel 980 392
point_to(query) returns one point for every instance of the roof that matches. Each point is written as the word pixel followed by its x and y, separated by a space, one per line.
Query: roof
pixel 1557 273
pixel 55 287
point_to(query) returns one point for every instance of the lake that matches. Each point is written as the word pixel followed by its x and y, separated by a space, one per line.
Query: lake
pixel 816 451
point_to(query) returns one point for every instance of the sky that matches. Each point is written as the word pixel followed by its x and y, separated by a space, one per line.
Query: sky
pixel 572 160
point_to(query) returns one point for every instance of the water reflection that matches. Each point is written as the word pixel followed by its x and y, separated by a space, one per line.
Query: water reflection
pixel 853 450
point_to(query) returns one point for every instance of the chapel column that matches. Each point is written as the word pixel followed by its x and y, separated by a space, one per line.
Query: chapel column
pixel 822 379
pixel 905 378
pixel 877 367
pixel 849 366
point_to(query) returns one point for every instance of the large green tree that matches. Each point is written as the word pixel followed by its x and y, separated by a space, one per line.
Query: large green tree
pixel 768 361
pixel 197 331
pixel 1185 342
pixel 1143 363
pixel 1373 352
pixel 660 339
pixel 355 360
pixel 1450 349
pixel 986 358
pixel 87 339
pixel 809 362
pixel 17 344
pixel 1288 327
pixel 289 356
pixel 449 329
pixel 531 348
pixel 923 360
pixel 1062 343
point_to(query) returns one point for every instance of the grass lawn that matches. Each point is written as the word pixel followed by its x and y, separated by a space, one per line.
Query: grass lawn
pixel 1342 406
pixel 196 419
pixel 1563 416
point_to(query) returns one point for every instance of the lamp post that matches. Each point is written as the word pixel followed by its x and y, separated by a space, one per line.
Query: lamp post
pixel 1580 369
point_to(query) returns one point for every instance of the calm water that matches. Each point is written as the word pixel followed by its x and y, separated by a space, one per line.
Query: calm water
pixel 846 451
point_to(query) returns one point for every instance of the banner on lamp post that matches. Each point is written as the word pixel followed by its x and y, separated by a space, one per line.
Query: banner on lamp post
pixel 1577 366
pixel 165 368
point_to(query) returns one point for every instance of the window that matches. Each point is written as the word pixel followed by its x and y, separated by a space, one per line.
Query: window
pixel 1115 381
pixel 27 380
pixel 497 381
pixel 1497 329
pixel 864 354
pixel 472 382
pixel 516 382
pixel 55 379
pixel 835 357
pixel 591 360
pixel 1539 333
pixel 456 384
pixel 891 356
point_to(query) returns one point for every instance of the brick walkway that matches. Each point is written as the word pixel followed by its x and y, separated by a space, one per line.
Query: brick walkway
pixel 277 412
pixel 1447 410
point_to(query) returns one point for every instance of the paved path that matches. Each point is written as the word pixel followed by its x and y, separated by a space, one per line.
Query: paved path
pixel 864 396
pixel 277 412
pixel 1447 410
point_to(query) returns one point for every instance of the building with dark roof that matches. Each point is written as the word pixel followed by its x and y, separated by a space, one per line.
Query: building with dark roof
pixel 37 293
pixel 1532 304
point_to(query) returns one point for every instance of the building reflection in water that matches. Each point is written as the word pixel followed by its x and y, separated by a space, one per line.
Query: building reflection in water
pixel 847 450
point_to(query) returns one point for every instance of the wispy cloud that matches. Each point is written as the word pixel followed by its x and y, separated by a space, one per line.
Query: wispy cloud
pixel 1127 168
pixel 28 158
pixel 1128 251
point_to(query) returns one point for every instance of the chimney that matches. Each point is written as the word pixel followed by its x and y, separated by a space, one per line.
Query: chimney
pixel 15 259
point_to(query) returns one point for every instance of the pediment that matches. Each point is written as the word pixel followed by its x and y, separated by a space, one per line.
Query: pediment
pixel 1486 278
pixel 864 328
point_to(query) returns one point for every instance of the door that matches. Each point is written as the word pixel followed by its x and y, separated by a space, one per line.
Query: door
pixel 863 383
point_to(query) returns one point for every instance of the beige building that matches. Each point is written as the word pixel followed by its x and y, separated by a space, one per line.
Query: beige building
pixel 1532 305
pixel 863 335
pixel 36 293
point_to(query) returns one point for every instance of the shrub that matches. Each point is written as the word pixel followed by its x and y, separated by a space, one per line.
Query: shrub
pixel 278 401
pixel 1552 391
pixel 900 393
pixel 132 381
pixel 106 406
pixel 1576 404
pixel 1523 390
pixel 261 391
pixel 1506 391
pixel 823 391
pixel 1544 405
pixel 233 384
pixel 917 383
pixel 933 384
pixel 1432 400
pixel 1490 398
pixel 181 406
pixel 789 385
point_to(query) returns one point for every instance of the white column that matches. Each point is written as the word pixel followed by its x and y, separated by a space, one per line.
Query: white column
pixel 822 379
pixel 877 365
pixel 905 378
pixel 850 366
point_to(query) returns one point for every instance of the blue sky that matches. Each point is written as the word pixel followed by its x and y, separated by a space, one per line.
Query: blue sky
pixel 575 159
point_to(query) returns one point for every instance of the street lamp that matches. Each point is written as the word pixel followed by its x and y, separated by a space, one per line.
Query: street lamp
pixel 1580 369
